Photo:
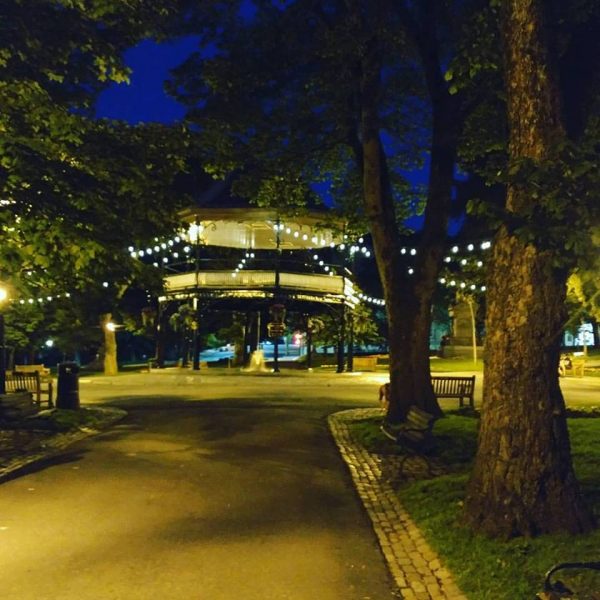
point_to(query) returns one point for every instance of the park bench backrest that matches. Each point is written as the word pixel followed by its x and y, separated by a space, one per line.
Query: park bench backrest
pixel 30 382
pixel 453 386
pixel 41 369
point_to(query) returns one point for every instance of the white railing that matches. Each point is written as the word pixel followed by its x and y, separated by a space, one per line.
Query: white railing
pixel 223 280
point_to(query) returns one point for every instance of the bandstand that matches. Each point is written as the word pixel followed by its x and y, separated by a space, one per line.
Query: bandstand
pixel 263 264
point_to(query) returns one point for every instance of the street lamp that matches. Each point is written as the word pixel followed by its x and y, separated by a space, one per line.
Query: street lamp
pixel 3 298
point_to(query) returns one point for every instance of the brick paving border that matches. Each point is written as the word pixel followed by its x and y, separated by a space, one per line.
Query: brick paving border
pixel 416 568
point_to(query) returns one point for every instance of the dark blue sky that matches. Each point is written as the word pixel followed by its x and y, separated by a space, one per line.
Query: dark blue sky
pixel 144 99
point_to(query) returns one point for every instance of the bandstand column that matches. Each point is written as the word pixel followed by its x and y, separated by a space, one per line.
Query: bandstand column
pixel 341 340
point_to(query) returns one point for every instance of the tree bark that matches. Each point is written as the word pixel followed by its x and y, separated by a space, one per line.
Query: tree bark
pixel 523 481
pixel 110 346
pixel 408 297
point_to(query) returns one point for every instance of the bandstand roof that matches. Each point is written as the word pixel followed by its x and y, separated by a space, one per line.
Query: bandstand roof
pixel 229 221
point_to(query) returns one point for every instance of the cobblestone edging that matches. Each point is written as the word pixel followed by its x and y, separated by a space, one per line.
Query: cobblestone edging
pixel 416 568
pixel 60 441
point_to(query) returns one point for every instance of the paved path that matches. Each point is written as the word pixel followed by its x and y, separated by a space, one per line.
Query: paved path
pixel 221 488
pixel 194 500
pixel 416 568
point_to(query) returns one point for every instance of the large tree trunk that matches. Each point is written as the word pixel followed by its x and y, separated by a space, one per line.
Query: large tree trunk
pixel 110 345
pixel 408 297
pixel 523 481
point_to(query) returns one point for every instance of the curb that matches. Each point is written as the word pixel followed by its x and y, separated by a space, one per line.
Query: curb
pixel 415 567
pixel 58 442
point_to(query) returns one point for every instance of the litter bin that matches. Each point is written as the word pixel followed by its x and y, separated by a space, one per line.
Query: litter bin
pixel 67 395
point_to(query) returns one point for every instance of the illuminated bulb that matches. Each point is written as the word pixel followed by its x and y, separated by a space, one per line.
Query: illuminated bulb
pixel 304 237
pixel 368 254
pixel 403 251
pixel 141 253
pixel 463 261
pixel 485 245
pixel 296 234
pixel 411 271
pixel 133 255
pixel 412 251
pixel 130 248
pixel 156 248
pixel 165 260
pixel 470 247
pixel 163 246
pixel 360 240
pixel 454 249
pixel 105 284
pixel 148 250
pixel 479 263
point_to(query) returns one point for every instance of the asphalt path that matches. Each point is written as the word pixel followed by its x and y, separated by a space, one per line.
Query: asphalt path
pixel 213 489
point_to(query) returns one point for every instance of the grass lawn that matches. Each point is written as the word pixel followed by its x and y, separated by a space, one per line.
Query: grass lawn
pixel 489 569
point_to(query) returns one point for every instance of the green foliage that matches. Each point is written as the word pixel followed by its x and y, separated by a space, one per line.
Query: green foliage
pixel 72 188
pixel 278 103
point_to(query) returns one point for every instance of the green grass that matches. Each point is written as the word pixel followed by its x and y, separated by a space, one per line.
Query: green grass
pixel 488 569
pixel 445 365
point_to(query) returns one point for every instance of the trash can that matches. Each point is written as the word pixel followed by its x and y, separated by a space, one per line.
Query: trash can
pixel 67 395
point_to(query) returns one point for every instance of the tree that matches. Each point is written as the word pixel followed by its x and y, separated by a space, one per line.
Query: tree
pixel 349 93
pixel 64 176
pixel 523 481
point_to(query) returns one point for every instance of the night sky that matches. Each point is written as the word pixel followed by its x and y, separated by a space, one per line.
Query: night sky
pixel 144 99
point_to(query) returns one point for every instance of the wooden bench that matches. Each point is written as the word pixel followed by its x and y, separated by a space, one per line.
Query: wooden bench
pixel 415 434
pixel 365 363
pixel 30 382
pixel 41 369
pixel 454 387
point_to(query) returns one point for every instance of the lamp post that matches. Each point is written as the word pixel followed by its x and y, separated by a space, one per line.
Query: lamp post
pixel 3 297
